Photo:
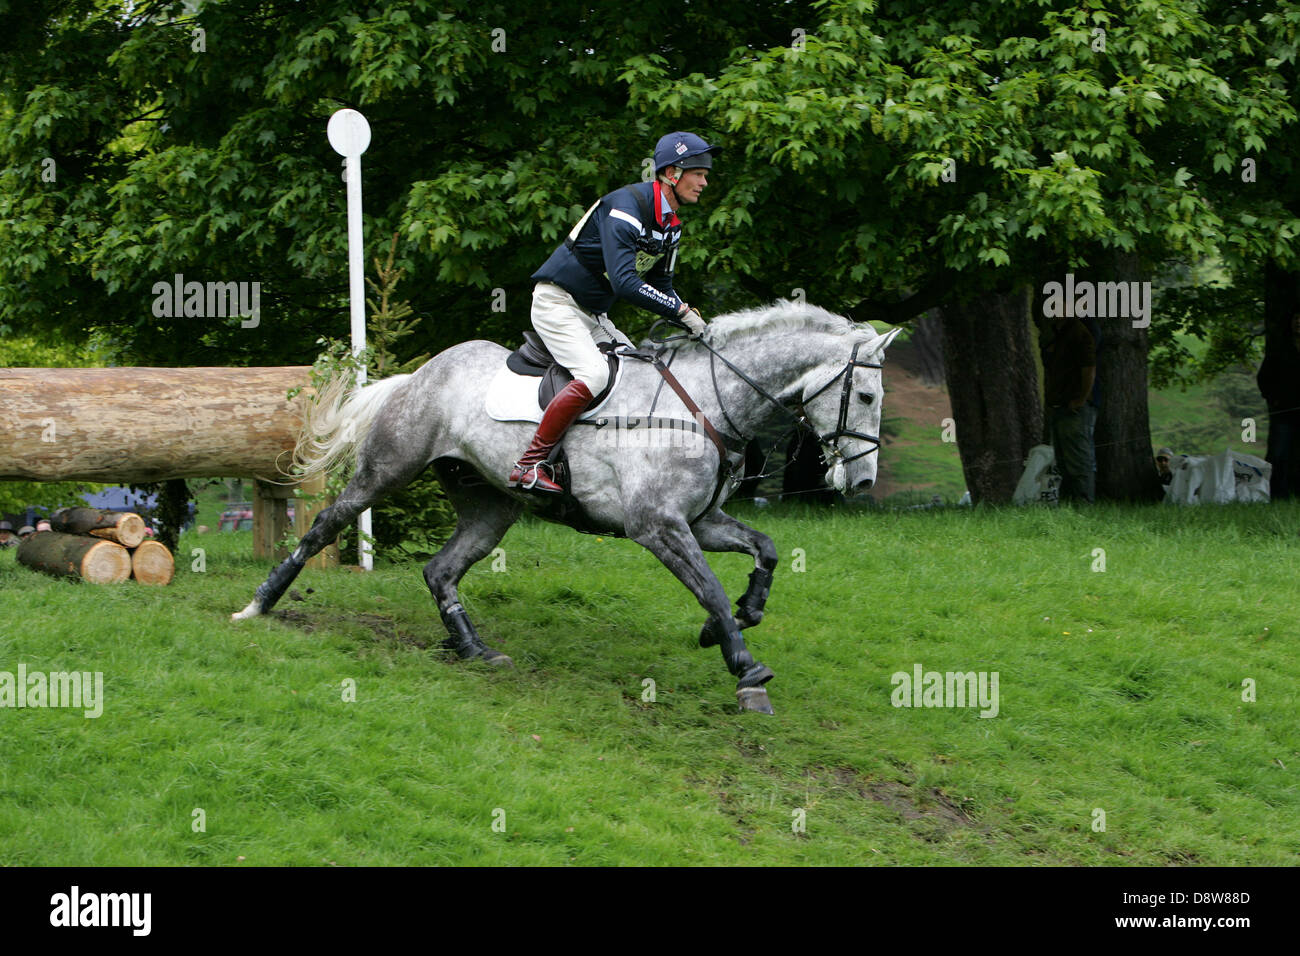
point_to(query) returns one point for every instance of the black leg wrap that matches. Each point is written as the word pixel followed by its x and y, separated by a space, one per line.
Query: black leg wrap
pixel 741 663
pixel 734 651
pixel 756 675
pixel 277 582
pixel 749 609
pixel 464 640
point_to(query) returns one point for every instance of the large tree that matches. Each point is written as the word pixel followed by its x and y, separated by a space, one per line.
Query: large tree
pixel 942 155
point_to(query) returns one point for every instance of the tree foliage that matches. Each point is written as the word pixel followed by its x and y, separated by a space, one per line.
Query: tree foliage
pixel 205 155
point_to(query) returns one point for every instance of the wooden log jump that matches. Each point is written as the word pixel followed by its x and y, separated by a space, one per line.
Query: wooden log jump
pixel 136 425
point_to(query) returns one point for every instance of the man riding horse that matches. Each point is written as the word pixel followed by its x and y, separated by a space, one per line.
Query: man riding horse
pixel 625 247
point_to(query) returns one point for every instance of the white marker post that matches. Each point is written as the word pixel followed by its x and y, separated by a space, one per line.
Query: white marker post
pixel 349 134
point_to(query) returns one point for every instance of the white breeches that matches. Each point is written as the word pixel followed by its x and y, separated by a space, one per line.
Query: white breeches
pixel 571 334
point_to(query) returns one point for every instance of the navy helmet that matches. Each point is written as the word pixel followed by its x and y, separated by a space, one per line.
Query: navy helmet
pixel 685 151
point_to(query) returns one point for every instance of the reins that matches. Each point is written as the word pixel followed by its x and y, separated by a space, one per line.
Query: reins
pixel 799 422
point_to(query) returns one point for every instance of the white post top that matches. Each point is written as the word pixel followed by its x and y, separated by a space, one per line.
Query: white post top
pixel 348 132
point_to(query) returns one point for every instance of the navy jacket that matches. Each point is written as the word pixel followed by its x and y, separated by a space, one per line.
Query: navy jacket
pixel 620 251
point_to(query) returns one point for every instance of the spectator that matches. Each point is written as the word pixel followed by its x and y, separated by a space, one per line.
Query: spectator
pixel 43 525
pixel 7 539
pixel 1163 457
pixel 1070 370
pixel 26 531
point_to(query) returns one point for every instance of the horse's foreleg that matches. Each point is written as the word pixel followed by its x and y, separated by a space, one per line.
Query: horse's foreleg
pixel 484 514
pixel 721 532
pixel 680 552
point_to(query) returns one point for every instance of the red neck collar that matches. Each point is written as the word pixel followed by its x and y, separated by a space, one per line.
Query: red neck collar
pixel 659 210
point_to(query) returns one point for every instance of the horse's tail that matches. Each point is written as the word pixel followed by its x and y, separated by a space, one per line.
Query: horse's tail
pixel 337 420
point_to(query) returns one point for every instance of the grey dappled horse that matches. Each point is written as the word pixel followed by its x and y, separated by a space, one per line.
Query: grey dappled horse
pixel 776 363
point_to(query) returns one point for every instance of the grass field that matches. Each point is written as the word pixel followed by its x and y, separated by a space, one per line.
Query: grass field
pixel 1120 691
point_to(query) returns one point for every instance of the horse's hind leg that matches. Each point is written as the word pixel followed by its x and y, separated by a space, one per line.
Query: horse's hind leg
pixel 483 514
pixel 371 482
pixel 674 545
pixel 721 532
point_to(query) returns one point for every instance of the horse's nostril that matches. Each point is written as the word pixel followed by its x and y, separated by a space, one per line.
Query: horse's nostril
pixel 865 484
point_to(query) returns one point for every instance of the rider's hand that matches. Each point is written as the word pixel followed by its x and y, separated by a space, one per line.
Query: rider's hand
pixel 692 319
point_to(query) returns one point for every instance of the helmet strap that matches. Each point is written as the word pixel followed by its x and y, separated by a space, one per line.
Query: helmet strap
pixel 672 184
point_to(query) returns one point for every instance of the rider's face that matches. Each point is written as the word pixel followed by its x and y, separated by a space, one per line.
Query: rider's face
pixel 692 184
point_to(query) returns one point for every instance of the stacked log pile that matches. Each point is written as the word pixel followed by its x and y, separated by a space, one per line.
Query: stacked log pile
pixel 103 547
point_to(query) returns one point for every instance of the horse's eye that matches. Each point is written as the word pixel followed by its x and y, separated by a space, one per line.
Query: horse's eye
pixel 866 398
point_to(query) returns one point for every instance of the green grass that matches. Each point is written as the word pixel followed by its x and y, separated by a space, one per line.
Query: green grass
pixel 1119 690
pixel 916 456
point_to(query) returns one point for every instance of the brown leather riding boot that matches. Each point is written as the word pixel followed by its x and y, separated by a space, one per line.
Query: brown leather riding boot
pixel 530 471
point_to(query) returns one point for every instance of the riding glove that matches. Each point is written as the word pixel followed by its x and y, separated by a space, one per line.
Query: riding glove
pixel 693 321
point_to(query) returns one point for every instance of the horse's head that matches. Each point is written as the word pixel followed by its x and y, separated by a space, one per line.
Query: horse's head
pixel 843 402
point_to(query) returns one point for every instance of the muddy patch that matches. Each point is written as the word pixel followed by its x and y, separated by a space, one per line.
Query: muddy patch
pixel 382 628
pixel 931 812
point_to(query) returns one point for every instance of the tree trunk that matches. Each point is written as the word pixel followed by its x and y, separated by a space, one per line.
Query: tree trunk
pixel 1125 465
pixel 152 563
pixel 927 341
pixel 125 528
pixel 993 383
pixel 76 556
pixel 1279 378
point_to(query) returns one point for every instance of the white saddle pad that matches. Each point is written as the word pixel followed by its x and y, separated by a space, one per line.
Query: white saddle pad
pixel 513 398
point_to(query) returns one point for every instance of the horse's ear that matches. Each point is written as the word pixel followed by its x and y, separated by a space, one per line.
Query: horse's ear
pixel 881 342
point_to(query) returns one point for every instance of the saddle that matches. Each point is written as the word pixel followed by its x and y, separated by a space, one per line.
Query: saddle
pixel 533 358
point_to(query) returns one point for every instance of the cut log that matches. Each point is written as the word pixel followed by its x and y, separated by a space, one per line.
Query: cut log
pixel 137 425
pixel 76 556
pixel 125 528
pixel 152 563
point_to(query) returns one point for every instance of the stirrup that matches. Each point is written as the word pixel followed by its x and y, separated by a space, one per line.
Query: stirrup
pixel 524 470
pixel 536 473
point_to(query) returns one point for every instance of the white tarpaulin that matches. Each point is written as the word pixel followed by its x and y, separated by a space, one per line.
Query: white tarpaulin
pixel 1218 479
pixel 1040 482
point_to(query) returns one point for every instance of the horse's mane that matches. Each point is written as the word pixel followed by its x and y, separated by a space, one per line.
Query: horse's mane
pixel 780 316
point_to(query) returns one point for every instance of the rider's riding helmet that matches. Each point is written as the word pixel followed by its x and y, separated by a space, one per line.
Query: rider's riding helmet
pixel 685 151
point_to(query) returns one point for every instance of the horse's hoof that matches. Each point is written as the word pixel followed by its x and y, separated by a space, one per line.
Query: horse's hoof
pixel 496 659
pixel 755 699
pixel 488 655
